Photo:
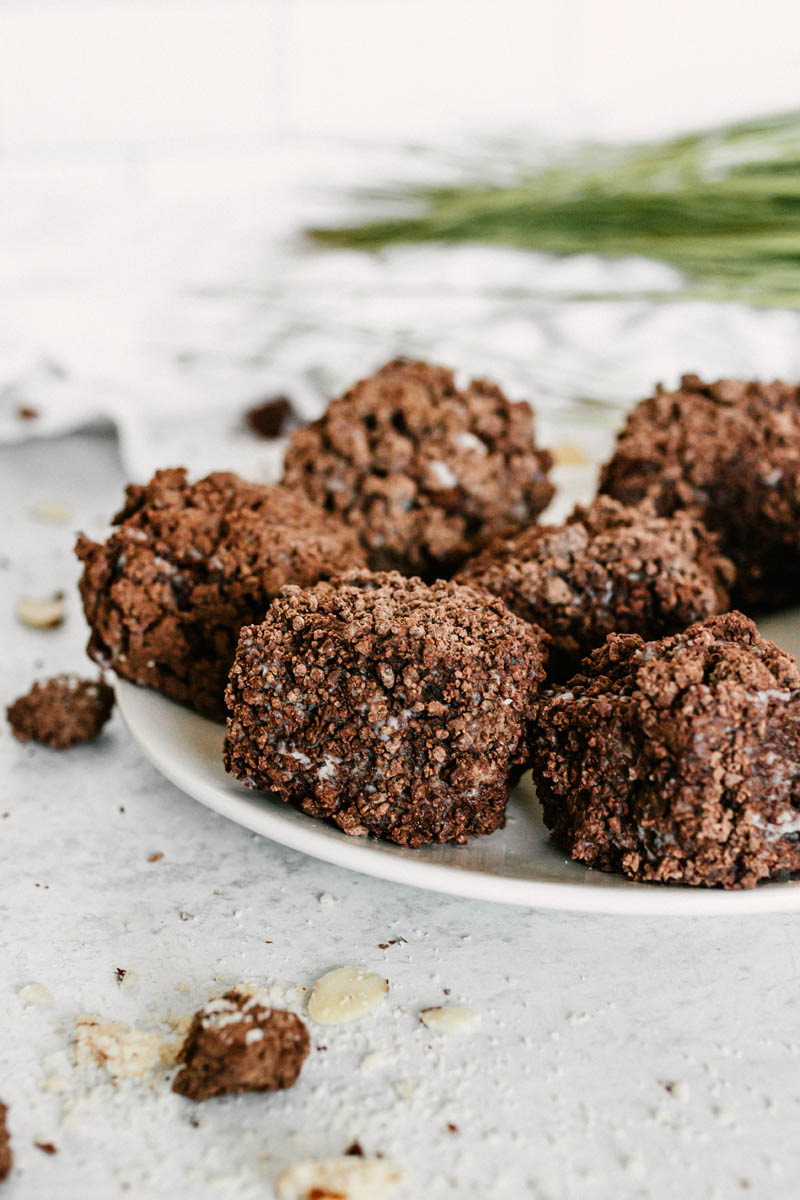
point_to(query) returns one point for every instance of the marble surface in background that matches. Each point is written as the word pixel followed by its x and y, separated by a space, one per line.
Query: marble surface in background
pixel 631 1058
pixel 166 294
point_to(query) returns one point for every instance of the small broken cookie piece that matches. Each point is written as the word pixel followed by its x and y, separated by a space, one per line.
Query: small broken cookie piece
pixel 123 1052
pixel 346 1178
pixel 61 712
pixel 236 1044
pixel 6 1157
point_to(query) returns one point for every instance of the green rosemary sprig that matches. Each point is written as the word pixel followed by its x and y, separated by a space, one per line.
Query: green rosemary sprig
pixel 722 206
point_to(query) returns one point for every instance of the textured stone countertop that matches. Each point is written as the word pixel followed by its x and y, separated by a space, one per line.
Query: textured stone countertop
pixel 611 1057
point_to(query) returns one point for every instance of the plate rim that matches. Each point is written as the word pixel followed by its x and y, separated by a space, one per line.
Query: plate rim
pixel 369 857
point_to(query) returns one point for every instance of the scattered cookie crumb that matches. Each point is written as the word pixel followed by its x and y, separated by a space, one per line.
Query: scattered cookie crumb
pixel 36 993
pixel 26 413
pixel 448 1018
pixel 236 1044
pixel 124 1052
pixel 326 899
pixel 354 1150
pixel 338 1179
pixel 41 613
pixel 678 1089
pixel 46 1147
pixel 61 712
pixel 451 1128
pixel 270 418
pixel 345 995
pixel 120 973
pixel 404 1089
pixel 6 1157
pixel 392 942
pixel 155 856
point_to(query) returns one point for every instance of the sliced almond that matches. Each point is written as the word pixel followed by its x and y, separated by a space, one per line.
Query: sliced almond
pixel 36 993
pixel 451 1018
pixel 343 1178
pixel 50 511
pixel 41 614
pixel 345 995
pixel 566 454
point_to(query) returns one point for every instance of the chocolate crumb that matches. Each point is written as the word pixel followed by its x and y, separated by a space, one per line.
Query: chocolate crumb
pixel 451 1128
pixel 26 413
pixel 61 712
pixel 236 1044
pixel 6 1157
pixel 155 856
pixel 354 1150
pixel 447 991
pixel 120 973
pixel 46 1147
pixel 269 419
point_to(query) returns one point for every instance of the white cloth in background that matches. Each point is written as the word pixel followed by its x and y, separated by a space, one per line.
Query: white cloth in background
pixel 168 298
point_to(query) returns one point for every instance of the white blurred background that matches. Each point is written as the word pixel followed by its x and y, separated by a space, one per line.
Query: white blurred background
pixel 159 161
pixel 135 76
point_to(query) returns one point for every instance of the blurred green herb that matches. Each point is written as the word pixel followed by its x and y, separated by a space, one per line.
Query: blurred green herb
pixel 722 206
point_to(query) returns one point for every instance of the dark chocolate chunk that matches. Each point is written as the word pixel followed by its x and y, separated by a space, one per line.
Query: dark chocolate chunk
pixel 424 471
pixel 61 712
pixel 269 418
pixel 236 1044
pixel 677 760
pixel 393 707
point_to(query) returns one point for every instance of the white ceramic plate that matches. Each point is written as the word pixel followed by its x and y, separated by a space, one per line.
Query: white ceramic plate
pixel 517 865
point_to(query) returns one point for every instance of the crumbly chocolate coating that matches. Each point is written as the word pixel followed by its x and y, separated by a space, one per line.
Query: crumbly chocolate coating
pixel 425 472
pixel 729 453
pixel 188 566
pixel 236 1044
pixel 608 569
pixel 61 712
pixel 392 707
pixel 677 760
pixel 6 1157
